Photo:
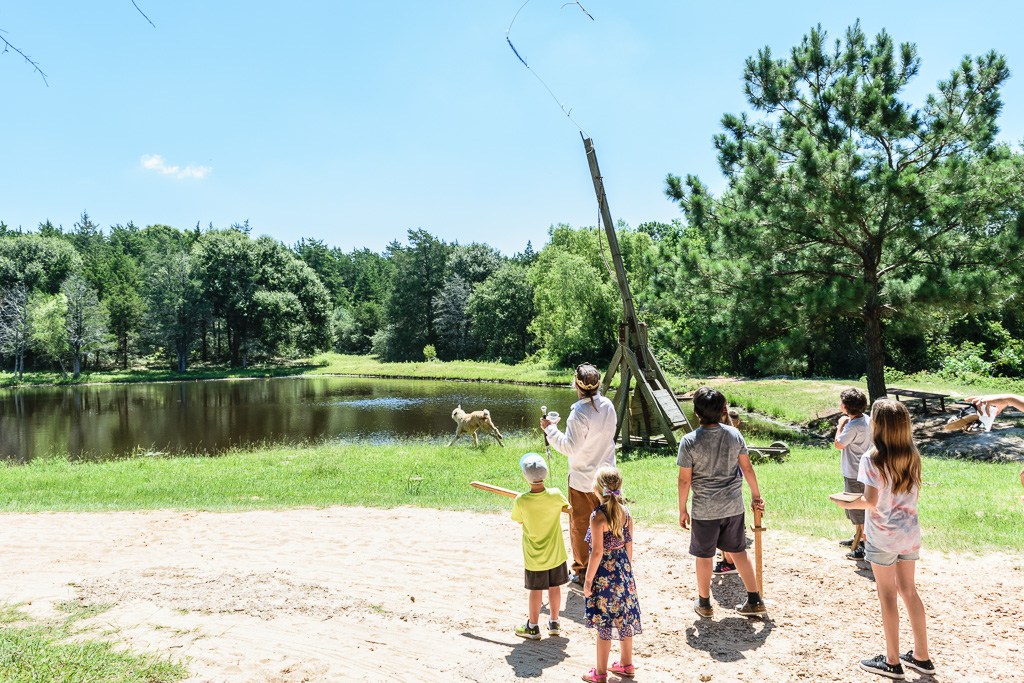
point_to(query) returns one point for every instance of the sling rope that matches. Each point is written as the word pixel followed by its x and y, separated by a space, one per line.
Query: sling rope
pixel 567 112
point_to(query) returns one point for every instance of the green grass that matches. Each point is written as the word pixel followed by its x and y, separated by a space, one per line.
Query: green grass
pixel 797 400
pixel 323 364
pixel 966 506
pixel 56 651
pixel 527 373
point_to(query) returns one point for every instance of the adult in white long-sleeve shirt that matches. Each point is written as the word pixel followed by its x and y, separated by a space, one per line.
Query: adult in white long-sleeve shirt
pixel 589 443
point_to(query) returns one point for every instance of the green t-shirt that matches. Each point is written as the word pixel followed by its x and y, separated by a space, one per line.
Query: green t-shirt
pixel 541 516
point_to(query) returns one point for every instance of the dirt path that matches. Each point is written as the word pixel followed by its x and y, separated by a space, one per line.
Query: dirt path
pixel 409 594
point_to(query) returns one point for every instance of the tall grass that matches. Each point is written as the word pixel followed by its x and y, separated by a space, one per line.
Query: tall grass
pixel 965 506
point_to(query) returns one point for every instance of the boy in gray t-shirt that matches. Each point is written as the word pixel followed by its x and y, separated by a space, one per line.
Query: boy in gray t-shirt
pixel 853 438
pixel 710 461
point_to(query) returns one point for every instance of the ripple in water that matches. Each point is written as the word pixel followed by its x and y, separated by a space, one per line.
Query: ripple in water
pixel 390 402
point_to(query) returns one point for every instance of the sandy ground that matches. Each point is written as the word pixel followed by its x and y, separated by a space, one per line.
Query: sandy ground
pixel 352 594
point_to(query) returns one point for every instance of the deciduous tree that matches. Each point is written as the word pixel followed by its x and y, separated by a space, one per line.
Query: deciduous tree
pixel 84 320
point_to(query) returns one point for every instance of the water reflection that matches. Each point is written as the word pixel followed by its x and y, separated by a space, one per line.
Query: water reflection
pixel 105 421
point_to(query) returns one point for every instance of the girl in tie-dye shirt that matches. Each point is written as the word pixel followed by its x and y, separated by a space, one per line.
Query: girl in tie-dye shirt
pixel 891 474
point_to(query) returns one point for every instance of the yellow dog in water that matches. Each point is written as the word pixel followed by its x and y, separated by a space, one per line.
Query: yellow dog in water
pixel 470 422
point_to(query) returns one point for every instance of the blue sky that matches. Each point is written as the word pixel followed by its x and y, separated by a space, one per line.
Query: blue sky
pixel 354 122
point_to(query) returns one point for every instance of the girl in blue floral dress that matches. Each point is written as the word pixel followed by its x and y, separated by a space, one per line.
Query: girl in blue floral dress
pixel 612 605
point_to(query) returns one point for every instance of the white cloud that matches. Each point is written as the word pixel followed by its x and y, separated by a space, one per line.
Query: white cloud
pixel 155 162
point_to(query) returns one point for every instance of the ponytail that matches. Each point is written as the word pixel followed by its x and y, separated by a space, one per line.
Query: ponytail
pixel 608 486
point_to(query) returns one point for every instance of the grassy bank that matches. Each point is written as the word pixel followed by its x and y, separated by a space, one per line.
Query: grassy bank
pixel 790 400
pixel 323 364
pixel 60 650
pixel 965 506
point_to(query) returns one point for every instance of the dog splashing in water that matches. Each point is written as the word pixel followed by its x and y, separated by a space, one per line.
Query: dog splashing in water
pixel 469 423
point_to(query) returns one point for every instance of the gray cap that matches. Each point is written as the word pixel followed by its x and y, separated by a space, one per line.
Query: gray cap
pixel 535 470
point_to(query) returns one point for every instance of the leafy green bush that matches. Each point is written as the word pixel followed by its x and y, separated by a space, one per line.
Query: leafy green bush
pixel 963 361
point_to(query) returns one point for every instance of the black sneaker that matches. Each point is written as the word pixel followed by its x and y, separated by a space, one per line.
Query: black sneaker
pixel 848 543
pixel 879 666
pixel 749 609
pixel 857 554
pixel 527 631
pixel 925 667
pixel 723 568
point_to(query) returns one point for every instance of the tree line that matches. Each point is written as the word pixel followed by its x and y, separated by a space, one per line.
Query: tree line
pixel 86 297
pixel 857 235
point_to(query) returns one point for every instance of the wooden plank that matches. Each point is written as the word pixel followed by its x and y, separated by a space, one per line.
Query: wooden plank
pixel 491 488
pixel 508 493
pixel 621 423
pixel 669 406
pixel 631 359
pixel 665 385
pixel 613 367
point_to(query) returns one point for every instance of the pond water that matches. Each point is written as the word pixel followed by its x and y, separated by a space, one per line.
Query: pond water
pixel 108 421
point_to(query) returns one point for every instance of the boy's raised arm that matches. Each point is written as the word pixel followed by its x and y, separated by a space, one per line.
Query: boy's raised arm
pixel 839 431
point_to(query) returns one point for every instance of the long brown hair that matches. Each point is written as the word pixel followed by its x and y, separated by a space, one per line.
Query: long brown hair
pixel 606 481
pixel 588 380
pixel 895 454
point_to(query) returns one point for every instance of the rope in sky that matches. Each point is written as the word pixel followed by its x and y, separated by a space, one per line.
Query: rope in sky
pixel 567 112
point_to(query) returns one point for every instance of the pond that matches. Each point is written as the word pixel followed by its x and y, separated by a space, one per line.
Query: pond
pixel 98 422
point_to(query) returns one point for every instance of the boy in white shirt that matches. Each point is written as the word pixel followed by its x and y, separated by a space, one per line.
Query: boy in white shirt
pixel 853 438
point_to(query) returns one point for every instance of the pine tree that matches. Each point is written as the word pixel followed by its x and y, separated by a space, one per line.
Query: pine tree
pixel 847 201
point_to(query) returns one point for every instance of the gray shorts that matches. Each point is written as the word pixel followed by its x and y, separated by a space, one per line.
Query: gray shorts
pixel 854 486
pixel 884 558
pixel 726 534
pixel 541 581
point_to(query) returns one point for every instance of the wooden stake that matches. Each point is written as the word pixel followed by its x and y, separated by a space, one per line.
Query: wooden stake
pixel 857 538
pixel 757 529
pixel 547 446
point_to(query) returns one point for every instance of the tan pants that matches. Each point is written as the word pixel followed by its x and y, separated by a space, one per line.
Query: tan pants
pixel 583 503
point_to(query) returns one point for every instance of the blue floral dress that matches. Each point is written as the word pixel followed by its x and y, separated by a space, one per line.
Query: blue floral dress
pixel 613 608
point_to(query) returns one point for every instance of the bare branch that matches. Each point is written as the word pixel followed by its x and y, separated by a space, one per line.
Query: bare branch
pixel 35 66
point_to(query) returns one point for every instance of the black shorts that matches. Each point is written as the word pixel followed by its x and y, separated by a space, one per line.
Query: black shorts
pixel 854 486
pixel 726 534
pixel 549 578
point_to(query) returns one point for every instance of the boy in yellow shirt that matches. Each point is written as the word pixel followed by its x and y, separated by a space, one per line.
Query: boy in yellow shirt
pixel 539 511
